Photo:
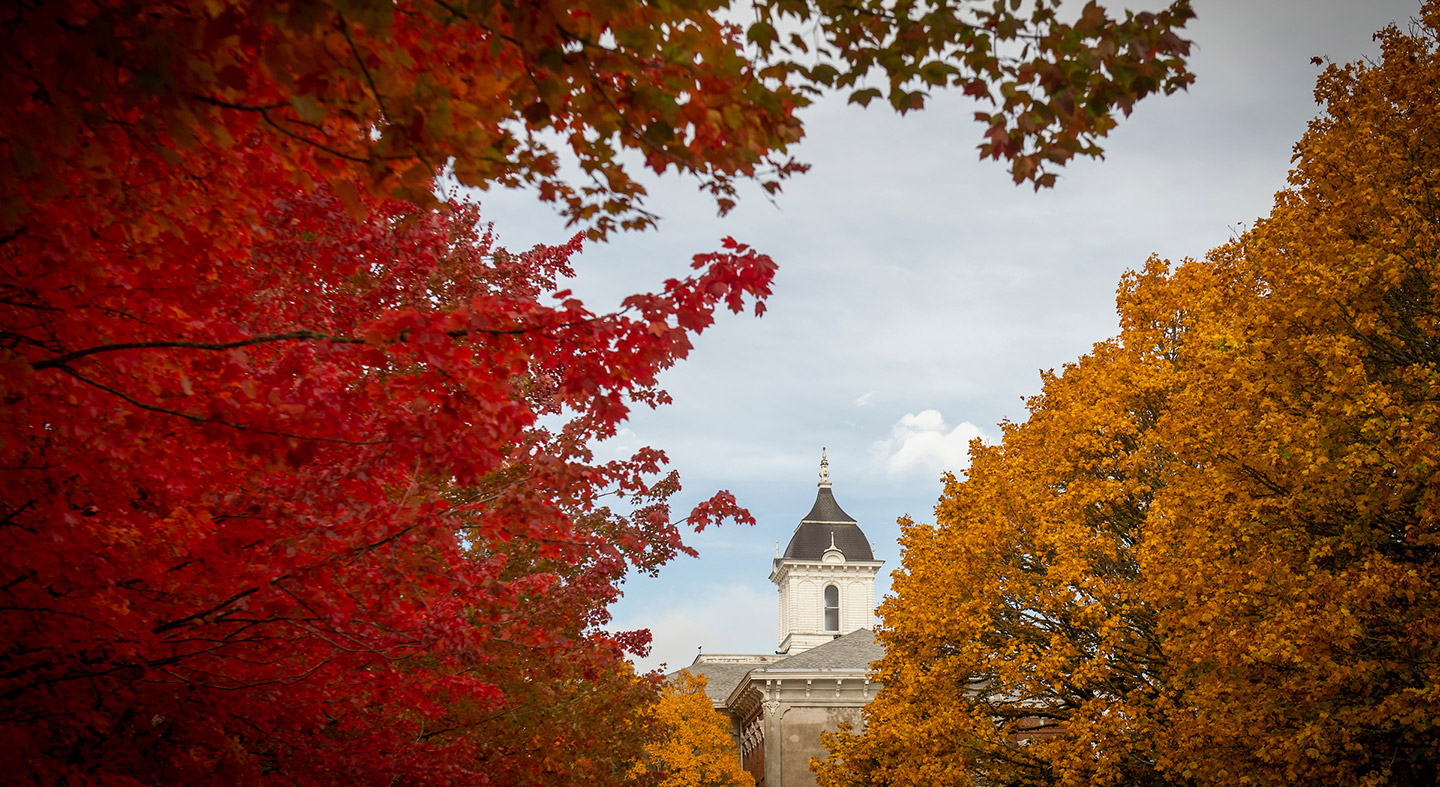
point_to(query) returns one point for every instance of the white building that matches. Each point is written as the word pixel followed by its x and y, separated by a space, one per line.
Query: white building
pixel 779 703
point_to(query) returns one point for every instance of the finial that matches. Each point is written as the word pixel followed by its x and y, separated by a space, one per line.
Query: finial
pixel 824 469
pixel 832 539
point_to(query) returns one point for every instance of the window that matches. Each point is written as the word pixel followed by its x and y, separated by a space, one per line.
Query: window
pixel 832 608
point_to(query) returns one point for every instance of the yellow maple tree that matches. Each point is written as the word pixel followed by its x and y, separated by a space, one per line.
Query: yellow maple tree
pixel 1211 555
pixel 1298 547
pixel 1015 620
pixel 693 746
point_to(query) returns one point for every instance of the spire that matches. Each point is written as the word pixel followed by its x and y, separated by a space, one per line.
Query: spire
pixel 826 521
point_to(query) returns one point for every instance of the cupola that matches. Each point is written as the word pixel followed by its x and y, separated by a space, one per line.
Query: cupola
pixel 826 576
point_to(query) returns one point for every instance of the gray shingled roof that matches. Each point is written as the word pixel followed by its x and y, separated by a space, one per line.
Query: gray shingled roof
pixel 853 651
pixel 720 678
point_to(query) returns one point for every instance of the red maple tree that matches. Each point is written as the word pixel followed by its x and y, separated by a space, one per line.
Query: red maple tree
pixel 298 477
pixel 298 539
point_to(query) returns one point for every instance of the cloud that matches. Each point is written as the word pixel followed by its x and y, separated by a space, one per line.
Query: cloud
pixel 866 399
pixel 923 443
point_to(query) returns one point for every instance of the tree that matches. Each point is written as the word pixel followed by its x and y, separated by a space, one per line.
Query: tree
pixel 1301 539
pixel 385 94
pixel 367 529
pixel 299 476
pixel 1016 622
pixel 693 746
pixel 1211 554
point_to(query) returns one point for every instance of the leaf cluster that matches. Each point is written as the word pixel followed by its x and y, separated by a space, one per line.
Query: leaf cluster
pixel 559 98
pixel 693 745
pixel 1055 86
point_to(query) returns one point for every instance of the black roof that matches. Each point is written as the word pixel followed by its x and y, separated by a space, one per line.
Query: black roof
pixel 811 539
pixel 825 520
pixel 826 509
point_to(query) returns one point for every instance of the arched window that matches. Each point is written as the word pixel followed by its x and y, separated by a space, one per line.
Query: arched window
pixel 832 608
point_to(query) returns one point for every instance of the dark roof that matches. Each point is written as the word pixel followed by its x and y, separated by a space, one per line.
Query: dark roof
pixel 811 539
pixel 826 509
pixel 853 651
pixel 825 519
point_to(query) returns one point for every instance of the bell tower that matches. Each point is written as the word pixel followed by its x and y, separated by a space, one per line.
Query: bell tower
pixel 826 575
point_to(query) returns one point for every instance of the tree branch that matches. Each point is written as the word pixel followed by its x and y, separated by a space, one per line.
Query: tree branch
pixel 60 361
pixel 314 336
pixel 198 419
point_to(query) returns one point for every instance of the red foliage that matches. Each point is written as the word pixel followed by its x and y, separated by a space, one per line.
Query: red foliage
pixel 298 478
pixel 282 510
pixel 298 481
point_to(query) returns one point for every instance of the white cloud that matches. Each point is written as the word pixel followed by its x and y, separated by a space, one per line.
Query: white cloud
pixel 923 443
pixel 866 399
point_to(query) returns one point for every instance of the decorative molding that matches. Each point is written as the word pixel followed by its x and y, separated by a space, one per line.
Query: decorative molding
pixel 772 707
pixel 753 736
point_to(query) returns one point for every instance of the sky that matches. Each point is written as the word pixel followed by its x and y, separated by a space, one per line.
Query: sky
pixel 920 294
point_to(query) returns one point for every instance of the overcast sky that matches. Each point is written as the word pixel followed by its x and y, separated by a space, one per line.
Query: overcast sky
pixel 920 293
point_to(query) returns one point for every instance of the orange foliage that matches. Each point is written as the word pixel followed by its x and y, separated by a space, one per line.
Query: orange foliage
pixel 1211 555
pixel 1016 616
pixel 693 747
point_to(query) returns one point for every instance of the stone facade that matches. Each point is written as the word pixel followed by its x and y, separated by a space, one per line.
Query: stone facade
pixel 780 709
